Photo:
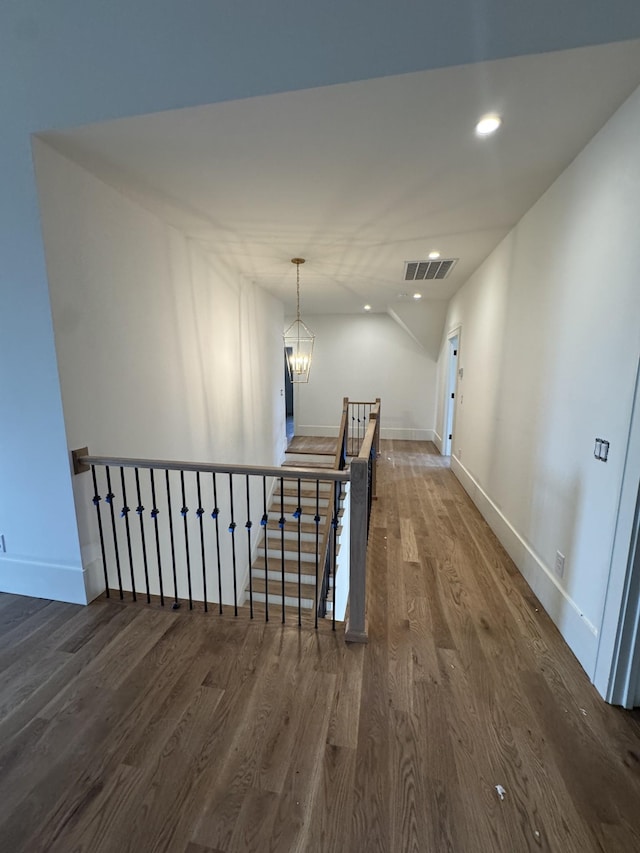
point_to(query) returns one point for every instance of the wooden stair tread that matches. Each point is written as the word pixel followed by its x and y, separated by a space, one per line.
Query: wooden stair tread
pixel 311 452
pixel 296 464
pixel 290 589
pixel 307 546
pixel 292 492
pixel 290 566
pixel 291 526
pixel 307 615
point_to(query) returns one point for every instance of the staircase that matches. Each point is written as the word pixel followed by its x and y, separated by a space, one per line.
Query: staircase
pixel 277 542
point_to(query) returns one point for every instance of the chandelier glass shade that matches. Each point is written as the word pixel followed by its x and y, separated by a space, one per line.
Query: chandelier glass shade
pixel 298 339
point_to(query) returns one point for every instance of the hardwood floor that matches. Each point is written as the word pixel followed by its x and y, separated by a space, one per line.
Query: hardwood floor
pixel 127 728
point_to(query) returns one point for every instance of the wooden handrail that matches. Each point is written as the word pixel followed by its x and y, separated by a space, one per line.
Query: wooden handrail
pixel 82 461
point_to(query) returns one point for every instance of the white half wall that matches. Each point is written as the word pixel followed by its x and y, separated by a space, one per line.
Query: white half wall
pixel 162 353
pixel 364 357
pixel 550 341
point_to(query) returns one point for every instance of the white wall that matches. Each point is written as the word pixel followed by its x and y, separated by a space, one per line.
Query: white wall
pixel 68 64
pixel 363 357
pixel 162 353
pixel 549 347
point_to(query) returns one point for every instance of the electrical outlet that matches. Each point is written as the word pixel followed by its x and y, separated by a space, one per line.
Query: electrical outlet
pixel 3 546
pixel 559 566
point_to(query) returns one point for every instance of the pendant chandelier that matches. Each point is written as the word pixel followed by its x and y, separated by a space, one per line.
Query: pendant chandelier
pixel 298 340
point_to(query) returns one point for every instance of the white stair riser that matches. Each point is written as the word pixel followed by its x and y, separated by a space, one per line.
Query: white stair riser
pixel 289 554
pixel 301 459
pixel 307 582
pixel 305 485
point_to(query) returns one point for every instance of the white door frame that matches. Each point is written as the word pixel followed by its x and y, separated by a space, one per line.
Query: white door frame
pixel 449 404
pixel 616 675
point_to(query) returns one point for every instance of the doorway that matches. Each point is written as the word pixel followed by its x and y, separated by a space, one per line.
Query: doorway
pixel 453 340
pixel 288 397
pixel 617 670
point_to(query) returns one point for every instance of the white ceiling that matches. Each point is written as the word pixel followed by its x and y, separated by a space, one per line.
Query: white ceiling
pixel 360 177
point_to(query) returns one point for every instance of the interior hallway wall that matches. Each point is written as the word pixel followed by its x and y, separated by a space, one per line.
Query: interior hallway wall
pixel 549 350
pixel 162 353
pixel 363 357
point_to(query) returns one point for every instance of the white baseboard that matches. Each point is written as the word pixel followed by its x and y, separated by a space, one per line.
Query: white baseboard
pixel 43 580
pixel 322 431
pixel 406 434
pixel 579 633
pixel 437 440
pixel 398 433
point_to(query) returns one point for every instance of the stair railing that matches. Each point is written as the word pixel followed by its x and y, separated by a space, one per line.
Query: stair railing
pixel 358 417
pixel 172 552
pixel 189 557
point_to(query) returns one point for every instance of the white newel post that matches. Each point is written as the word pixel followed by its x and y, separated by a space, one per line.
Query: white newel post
pixel 356 631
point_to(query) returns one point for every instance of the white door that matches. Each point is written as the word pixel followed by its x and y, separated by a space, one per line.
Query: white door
pixel 450 399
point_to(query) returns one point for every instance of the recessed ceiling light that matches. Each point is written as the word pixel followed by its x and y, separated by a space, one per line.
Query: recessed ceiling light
pixel 367 307
pixel 488 124
pixel 417 296
pixel 433 256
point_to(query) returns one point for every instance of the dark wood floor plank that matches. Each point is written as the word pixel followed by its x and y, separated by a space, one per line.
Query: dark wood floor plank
pixel 333 804
pixel 129 727
pixel 62 678
pixel 19 619
pixel 345 714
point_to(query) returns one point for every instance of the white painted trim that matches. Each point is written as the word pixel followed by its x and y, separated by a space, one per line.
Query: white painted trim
pixel 405 434
pixel 437 440
pixel 615 675
pixel 579 633
pixel 341 581
pixel 398 433
pixel 456 332
pixel 322 431
pixel 58 582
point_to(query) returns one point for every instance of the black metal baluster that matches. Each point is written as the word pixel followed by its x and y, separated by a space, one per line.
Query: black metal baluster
pixel 140 511
pixel 154 515
pixel 316 518
pixel 353 427
pixel 248 525
pixel 184 513
pixel 232 531
pixel 265 524
pixel 282 523
pixel 96 503
pixel 299 515
pixel 176 603
pixel 124 513
pixel 109 499
pixel 214 514
pixel 200 513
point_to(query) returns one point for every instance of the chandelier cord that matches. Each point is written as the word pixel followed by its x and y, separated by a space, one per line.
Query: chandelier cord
pixel 298 291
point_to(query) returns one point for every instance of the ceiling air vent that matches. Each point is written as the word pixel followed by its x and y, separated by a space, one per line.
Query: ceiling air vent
pixel 428 270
